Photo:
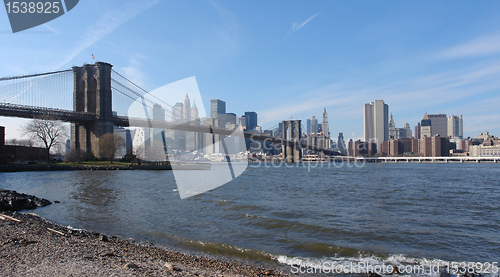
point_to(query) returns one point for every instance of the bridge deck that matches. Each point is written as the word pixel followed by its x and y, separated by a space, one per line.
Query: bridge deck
pixel 81 117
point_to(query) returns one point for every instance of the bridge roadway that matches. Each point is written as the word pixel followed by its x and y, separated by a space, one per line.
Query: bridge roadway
pixel 13 110
pixel 23 111
pixel 209 129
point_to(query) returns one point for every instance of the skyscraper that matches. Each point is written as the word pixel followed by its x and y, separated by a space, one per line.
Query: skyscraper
pixel 312 125
pixel 186 109
pixel 194 112
pixel 439 125
pixel 250 120
pixel 341 144
pixel 408 130
pixel 217 106
pixel 417 131
pixel 324 124
pixel 455 127
pixel 158 114
pixel 425 127
pixel 376 123
pixel 177 112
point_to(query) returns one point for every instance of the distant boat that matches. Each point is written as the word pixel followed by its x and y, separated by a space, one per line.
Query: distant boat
pixel 313 158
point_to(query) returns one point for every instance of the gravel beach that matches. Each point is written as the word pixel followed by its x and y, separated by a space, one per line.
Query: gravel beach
pixel 32 246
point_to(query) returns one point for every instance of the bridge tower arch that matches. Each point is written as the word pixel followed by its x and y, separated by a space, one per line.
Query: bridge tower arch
pixel 291 131
pixel 92 93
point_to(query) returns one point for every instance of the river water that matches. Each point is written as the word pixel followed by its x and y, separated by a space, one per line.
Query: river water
pixel 396 213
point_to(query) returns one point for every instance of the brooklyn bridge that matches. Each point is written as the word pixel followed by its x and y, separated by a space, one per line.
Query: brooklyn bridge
pixel 94 98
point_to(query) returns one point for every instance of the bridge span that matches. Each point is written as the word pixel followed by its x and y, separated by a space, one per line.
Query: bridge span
pixel 92 115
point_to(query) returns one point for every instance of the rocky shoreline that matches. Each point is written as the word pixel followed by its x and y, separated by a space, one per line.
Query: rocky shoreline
pixel 32 246
pixel 11 200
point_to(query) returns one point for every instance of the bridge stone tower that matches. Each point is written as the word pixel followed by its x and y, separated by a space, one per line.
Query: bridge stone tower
pixel 92 94
pixel 291 151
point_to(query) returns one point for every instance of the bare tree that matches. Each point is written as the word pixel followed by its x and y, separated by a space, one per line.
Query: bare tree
pixel 48 132
pixel 109 144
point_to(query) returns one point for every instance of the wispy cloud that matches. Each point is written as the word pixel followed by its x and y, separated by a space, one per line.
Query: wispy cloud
pixel 296 26
pixel 107 24
pixel 483 46
pixel 134 70
pixel 408 98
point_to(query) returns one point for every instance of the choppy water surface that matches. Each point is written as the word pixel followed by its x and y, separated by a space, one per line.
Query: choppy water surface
pixel 396 213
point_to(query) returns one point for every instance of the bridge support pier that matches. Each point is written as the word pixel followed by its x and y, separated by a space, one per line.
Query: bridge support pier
pixel 92 93
pixel 291 152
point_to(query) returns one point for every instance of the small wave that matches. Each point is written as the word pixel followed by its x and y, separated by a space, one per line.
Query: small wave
pixel 409 266
pixel 227 250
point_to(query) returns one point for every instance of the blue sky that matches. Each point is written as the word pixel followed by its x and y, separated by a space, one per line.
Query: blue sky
pixel 286 59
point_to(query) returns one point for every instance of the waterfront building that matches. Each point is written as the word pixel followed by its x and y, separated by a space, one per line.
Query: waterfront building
pixel 361 148
pixel 398 133
pixel 140 143
pixel 417 131
pixel 341 144
pixel 279 132
pixel 324 125
pixel 186 109
pixel 484 151
pixel 408 130
pixel 425 127
pixel 436 146
pixel 455 126
pixel 484 145
pixel 439 125
pixel 250 120
pixel 217 107
pixel 312 125
pixel 157 113
pixel 194 141
pixel 126 135
pixel 177 112
pixel 376 123
pixel 212 141
pixel 194 113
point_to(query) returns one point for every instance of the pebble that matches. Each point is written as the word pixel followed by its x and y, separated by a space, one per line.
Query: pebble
pixel 84 254
pixel 131 266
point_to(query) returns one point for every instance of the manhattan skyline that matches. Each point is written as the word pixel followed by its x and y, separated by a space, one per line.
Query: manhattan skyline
pixel 285 60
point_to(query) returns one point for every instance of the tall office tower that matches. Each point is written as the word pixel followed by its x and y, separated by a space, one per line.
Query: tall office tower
pixel 177 112
pixel 156 140
pixel 324 124
pixel 140 141
pixel 186 109
pixel 417 131
pixel 178 137
pixel 408 130
pixel 376 123
pixel 341 144
pixel 194 140
pixel 455 126
pixel 250 120
pixel 194 112
pixel 312 125
pixel 217 106
pixel 439 125
pixel 392 128
pixel 425 127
